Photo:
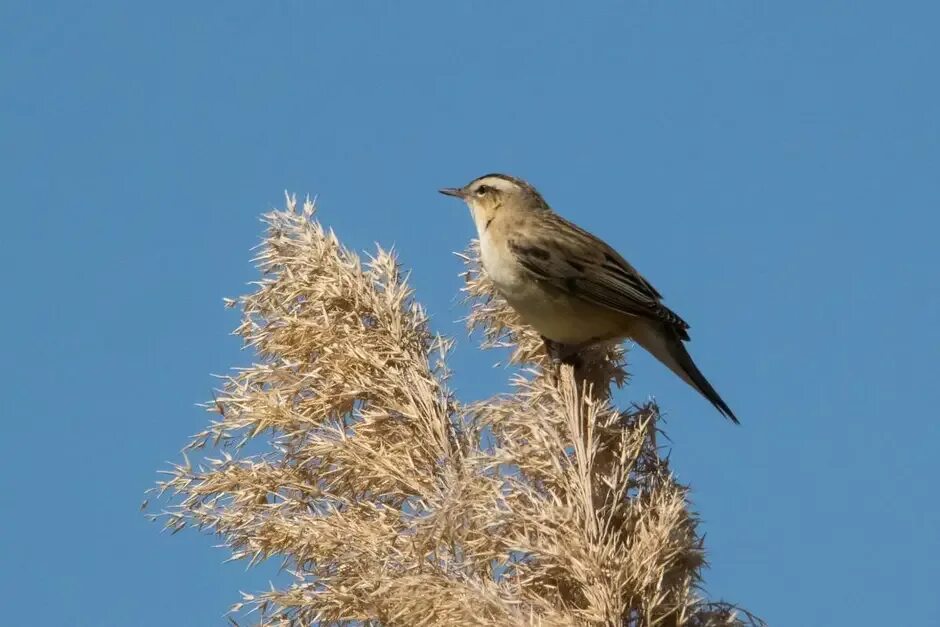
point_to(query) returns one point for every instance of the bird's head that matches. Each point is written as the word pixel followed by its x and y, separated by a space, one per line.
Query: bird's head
pixel 492 194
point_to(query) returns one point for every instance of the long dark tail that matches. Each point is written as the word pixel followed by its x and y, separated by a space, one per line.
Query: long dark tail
pixel 664 344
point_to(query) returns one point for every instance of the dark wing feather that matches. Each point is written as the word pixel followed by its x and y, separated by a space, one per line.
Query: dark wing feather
pixel 572 260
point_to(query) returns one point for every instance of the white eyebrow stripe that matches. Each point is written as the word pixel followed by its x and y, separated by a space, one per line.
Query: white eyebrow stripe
pixel 496 183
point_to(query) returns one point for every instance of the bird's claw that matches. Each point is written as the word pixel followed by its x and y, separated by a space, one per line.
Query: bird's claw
pixel 561 354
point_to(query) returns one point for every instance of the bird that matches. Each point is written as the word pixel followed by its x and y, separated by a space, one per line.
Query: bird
pixel 569 285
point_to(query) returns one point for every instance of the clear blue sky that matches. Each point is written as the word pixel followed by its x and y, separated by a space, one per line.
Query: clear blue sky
pixel 773 170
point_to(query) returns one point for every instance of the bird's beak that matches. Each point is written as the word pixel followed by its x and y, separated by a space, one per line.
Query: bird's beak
pixel 452 191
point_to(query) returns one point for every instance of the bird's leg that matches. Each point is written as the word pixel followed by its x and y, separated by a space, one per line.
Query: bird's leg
pixel 562 354
pixel 571 356
pixel 552 349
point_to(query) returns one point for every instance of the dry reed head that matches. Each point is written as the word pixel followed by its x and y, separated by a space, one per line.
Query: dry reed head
pixel 376 489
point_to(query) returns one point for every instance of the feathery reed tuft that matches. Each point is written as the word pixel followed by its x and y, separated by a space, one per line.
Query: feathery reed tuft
pixel 391 502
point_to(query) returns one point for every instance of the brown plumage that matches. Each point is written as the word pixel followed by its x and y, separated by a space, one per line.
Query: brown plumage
pixel 569 285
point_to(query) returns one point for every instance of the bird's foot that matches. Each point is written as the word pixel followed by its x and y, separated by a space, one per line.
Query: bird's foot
pixel 562 354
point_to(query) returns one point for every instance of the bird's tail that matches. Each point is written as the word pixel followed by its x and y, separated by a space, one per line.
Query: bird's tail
pixel 666 346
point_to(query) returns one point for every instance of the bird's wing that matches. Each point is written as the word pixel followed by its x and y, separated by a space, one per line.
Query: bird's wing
pixel 574 261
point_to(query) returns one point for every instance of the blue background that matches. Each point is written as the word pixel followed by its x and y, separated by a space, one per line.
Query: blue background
pixel 773 169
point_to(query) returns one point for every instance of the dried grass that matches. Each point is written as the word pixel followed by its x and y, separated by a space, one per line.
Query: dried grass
pixel 376 489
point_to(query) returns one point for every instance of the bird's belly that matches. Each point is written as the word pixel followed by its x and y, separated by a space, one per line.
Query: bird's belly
pixel 561 318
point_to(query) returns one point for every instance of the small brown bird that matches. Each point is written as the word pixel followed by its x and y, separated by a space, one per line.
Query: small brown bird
pixel 570 286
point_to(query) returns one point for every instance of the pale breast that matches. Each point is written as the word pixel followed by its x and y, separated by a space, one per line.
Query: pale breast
pixel 500 265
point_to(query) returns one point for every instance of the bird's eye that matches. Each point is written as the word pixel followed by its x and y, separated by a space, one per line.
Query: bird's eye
pixel 482 190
